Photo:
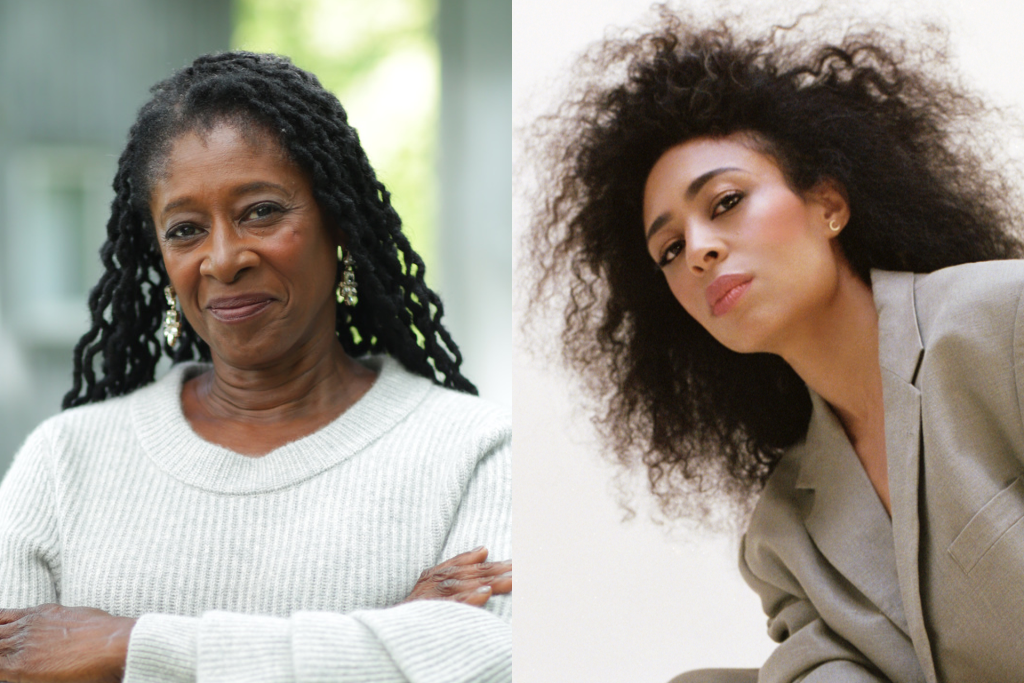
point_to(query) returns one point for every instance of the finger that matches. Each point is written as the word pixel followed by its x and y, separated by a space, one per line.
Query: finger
pixel 474 556
pixel 470 572
pixel 500 585
pixel 8 616
pixel 490 568
pixel 451 568
pixel 477 597
pixel 461 588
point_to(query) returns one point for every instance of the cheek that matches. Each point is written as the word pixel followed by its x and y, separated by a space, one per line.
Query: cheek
pixel 295 249
pixel 181 269
pixel 310 258
pixel 688 293
pixel 781 220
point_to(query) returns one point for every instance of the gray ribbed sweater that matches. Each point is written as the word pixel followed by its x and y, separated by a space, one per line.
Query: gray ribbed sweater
pixel 279 568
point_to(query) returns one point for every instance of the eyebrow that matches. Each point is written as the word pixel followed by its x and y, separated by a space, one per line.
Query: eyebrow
pixel 254 186
pixel 691 192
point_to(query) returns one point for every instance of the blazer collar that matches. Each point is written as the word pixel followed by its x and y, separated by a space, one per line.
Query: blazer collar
pixel 846 519
pixel 900 353
pixel 900 348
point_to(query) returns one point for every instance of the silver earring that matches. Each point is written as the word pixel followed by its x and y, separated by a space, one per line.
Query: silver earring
pixel 834 225
pixel 346 291
pixel 172 323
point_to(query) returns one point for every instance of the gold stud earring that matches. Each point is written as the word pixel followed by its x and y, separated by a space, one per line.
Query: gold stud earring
pixel 834 225
pixel 172 323
pixel 346 291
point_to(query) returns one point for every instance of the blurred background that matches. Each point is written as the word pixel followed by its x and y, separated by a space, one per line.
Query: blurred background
pixel 599 599
pixel 426 83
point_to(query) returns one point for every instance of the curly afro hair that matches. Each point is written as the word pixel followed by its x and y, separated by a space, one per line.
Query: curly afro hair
pixel 865 111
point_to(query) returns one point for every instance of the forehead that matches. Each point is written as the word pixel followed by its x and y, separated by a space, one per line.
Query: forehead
pixel 222 144
pixel 686 162
pixel 203 159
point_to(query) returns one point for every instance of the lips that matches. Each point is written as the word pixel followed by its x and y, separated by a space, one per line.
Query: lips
pixel 723 293
pixel 238 308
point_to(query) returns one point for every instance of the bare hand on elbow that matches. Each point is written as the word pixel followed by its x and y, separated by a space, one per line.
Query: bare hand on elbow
pixel 466 578
pixel 52 644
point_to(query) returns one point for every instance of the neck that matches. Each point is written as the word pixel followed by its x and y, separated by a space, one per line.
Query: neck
pixel 311 382
pixel 837 355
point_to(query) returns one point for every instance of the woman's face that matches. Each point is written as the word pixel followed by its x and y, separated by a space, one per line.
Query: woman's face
pixel 245 246
pixel 750 259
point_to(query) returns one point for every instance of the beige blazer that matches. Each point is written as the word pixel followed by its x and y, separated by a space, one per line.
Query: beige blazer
pixel 937 593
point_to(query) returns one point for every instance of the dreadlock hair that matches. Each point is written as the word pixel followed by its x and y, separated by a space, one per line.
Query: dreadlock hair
pixel 396 312
pixel 865 112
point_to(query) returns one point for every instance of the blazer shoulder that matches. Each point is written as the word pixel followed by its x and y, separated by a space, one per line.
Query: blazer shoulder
pixel 970 285
pixel 981 300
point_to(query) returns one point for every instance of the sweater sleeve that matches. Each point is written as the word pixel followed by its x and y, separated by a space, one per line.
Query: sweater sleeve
pixel 29 539
pixel 422 642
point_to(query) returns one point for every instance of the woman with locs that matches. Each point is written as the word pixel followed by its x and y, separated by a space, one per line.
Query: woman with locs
pixel 316 497
pixel 789 274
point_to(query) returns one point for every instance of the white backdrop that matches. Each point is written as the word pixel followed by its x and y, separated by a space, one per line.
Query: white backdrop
pixel 598 599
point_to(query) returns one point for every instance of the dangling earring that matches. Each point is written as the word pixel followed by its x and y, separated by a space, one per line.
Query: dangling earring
pixel 172 323
pixel 834 225
pixel 346 291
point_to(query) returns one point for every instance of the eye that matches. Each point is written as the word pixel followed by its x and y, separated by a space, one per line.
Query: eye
pixel 261 211
pixel 725 203
pixel 181 231
pixel 672 250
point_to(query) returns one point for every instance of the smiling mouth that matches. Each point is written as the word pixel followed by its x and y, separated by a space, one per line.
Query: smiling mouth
pixel 238 310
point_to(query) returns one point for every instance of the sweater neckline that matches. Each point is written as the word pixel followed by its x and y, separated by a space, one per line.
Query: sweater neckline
pixel 169 441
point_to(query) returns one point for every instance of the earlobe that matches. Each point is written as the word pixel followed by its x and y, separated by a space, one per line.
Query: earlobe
pixel 831 196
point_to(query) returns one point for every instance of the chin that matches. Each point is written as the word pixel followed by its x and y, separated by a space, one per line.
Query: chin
pixel 743 346
pixel 744 342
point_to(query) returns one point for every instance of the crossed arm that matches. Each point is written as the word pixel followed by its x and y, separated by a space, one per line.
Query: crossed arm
pixel 438 632
pixel 52 643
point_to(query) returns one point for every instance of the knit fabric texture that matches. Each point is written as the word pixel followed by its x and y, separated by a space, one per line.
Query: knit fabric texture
pixel 286 567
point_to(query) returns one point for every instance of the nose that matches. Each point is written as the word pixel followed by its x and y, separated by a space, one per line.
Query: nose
pixel 228 253
pixel 704 247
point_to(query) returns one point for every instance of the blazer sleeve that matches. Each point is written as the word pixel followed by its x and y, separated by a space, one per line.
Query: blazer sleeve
pixel 29 537
pixel 808 650
pixel 424 641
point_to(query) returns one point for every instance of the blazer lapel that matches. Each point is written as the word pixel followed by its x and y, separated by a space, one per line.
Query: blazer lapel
pixel 900 353
pixel 846 519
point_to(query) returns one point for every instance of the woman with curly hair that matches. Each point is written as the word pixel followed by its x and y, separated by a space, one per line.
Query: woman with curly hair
pixel 789 276
pixel 308 493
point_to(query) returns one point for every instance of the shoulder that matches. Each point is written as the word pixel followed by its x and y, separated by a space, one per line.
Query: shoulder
pixel 104 427
pixel 989 288
pixel 472 426
pixel 974 301
pixel 83 424
pixel 465 412
pixel 777 511
pixel 775 544
pixel 430 414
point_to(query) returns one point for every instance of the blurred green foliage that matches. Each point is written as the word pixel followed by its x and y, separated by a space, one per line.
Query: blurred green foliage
pixel 381 59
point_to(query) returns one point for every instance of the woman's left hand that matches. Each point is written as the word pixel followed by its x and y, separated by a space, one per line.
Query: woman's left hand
pixel 467 578
pixel 52 644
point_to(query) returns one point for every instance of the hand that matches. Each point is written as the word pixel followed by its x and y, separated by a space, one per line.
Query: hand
pixel 53 644
pixel 465 578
